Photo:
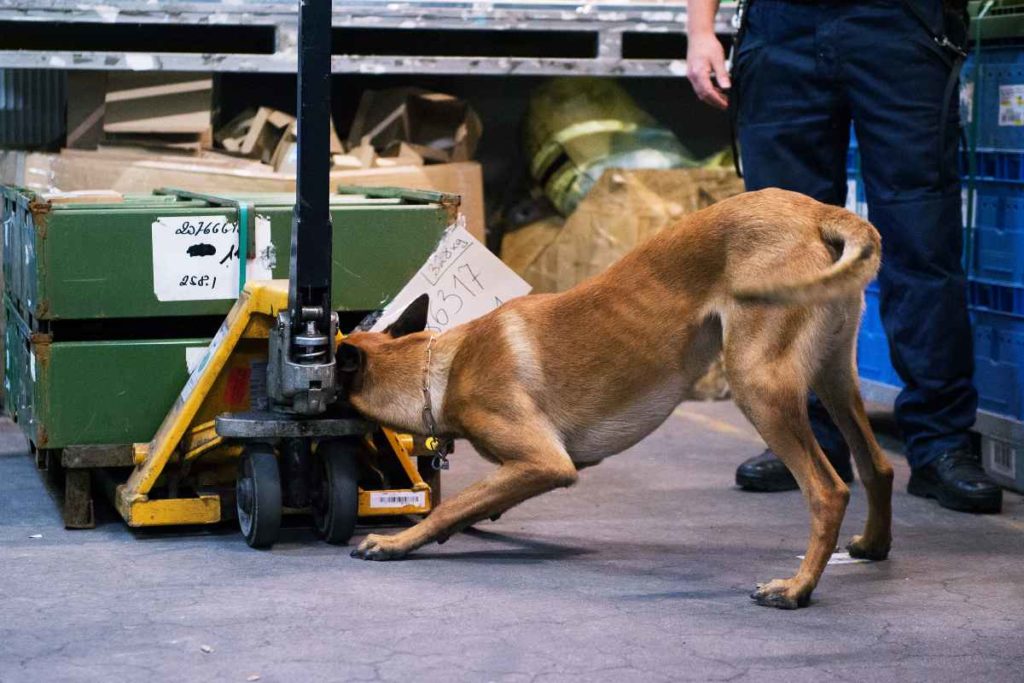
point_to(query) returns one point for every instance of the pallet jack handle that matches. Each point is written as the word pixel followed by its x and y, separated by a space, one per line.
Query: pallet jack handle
pixel 309 291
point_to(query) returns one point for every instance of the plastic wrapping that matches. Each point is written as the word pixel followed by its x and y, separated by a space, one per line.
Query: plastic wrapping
pixel 576 128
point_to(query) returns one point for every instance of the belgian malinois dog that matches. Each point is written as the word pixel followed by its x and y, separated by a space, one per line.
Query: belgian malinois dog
pixel 545 385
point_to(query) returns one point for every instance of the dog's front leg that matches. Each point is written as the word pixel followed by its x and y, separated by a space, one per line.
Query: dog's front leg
pixel 542 466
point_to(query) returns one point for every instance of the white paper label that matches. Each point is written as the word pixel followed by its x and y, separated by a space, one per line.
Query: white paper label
pixel 463 279
pixel 967 102
pixel 1011 105
pixel 195 258
pixel 193 357
pixel 202 360
pixel 842 558
pixel 397 499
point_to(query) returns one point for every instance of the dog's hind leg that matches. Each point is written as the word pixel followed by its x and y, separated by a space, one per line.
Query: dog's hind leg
pixel 538 464
pixel 778 409
pixel 837 388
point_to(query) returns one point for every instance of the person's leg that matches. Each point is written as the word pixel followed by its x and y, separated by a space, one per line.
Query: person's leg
pixel 793 134
pixel 897 78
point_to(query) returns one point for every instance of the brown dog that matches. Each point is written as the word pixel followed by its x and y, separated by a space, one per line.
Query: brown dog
pixel 548 384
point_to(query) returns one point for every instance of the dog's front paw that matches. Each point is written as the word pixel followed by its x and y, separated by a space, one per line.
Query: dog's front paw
pixel 864 549
pixel 378 547
pixel 781 593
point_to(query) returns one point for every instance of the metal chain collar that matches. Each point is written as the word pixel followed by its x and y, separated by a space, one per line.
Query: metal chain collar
pixel 442 448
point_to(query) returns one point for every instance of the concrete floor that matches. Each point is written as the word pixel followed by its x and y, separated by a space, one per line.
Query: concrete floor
pixel 640 572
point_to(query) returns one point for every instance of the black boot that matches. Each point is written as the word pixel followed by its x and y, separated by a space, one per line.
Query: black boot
pixel 958 482
pixel 766 472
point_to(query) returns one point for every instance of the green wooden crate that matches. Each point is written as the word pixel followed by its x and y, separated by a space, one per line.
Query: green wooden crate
pixel 95 392
pixel 79 261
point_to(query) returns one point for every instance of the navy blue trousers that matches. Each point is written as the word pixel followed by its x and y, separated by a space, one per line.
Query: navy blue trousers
pixel 805 70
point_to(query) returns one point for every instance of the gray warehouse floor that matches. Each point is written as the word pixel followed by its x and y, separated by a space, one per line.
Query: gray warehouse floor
pixel 640 572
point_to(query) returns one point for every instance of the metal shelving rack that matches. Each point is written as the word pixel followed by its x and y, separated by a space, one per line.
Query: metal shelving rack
pixel 607 24
pixel 601 24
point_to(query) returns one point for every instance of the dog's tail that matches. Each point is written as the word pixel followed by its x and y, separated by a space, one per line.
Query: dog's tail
pixel 859 246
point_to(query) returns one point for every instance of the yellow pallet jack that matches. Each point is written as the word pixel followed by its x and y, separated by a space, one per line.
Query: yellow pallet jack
pixel 299 448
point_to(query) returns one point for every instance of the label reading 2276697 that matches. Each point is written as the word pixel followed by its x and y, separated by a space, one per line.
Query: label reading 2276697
pixel 197 258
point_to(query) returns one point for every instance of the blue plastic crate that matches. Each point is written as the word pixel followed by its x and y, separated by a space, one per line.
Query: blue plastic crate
pixel 1000 83
pixel 998 165
pixel 999 363
pixel 998 250
pixel 872 347
pixel 997 298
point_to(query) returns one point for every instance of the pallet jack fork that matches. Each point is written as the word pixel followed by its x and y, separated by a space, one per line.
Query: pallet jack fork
pixel 298 448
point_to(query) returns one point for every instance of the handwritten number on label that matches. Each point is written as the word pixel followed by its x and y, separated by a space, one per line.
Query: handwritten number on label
pixel 232 253
pixel 198 281
pixel 467 270
pixel 204 228
pixel 446 297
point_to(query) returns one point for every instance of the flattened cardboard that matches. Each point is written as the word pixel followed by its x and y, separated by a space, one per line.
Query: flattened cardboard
pixel 259 134
pixel 157 102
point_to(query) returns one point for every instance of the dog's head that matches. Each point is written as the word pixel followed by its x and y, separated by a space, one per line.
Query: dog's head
pixel 372 366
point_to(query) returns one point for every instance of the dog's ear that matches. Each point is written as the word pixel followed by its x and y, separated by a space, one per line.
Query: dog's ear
pixel 413 318
pixel 350 358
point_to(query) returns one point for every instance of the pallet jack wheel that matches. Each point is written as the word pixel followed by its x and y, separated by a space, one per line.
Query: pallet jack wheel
pixel 336 491
pixel 258 496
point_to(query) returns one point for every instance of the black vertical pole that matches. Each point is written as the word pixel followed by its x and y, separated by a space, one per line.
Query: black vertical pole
pixel 310 279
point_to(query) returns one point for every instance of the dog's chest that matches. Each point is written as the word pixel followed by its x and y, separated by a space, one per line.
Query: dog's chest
pixel 616 431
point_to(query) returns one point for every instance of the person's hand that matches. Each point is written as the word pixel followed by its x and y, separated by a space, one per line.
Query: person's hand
pixel 705 56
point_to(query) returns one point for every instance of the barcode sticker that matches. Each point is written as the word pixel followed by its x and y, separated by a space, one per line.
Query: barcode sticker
pixel 397 499
pixel 1003 461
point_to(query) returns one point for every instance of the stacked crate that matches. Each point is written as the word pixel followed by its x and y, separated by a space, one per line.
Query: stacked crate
pixel 107 304
pixel 994 106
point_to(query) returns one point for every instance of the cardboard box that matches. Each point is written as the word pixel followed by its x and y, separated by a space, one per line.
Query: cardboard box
pixel 464 179
pixel 131 170
pixel 624 208
pixel 438 127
